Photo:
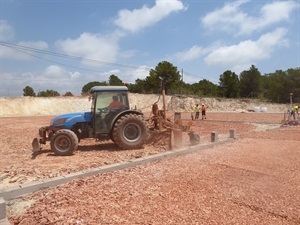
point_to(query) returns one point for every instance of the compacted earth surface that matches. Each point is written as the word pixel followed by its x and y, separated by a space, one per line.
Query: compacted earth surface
pixel 253 179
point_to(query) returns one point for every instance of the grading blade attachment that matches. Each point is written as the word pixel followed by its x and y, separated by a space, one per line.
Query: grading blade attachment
pixel 36 145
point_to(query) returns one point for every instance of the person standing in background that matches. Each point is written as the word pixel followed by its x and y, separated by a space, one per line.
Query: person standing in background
pixel 197 112
pixel 203 111
pixel 294 111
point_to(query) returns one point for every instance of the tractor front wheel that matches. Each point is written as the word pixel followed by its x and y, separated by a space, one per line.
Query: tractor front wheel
pixel 130 132
pixel 64 142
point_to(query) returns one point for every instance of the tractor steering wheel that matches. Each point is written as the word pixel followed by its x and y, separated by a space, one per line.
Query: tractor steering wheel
pixel 103 110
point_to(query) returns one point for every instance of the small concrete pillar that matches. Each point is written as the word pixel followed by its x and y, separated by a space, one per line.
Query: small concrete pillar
pixel 2 209
pixel 176 138
pixel 232 133
pixel 214 136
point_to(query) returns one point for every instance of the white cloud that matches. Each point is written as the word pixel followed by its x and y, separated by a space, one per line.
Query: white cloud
pixel 59 79
pixel 54 72
pixel 93 47
pixel 6 31
pixel 140 73
pixel 138 19
pixel 247 52
pixel 193 53
pixel 130 75
pixel 277 11
pixel 225 18
pixel 231 18
pixel 20 51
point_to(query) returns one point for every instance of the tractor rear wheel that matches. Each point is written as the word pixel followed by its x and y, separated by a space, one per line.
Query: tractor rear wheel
pixel 64 142
pixel 130 131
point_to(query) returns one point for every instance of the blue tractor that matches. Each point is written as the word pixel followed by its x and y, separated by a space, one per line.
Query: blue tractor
pixel 110 118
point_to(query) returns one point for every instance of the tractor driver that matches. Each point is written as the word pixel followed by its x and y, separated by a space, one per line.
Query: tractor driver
pixel 113 107
pixel 115 104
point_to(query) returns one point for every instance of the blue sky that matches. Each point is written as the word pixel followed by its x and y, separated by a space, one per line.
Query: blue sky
pixel 62 45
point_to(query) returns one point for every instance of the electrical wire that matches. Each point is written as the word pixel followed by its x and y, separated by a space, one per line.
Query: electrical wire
pixel 25 50
pixel 22 48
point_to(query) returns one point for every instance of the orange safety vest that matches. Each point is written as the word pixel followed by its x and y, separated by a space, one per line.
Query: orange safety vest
pixel 203 108
pixel 115 104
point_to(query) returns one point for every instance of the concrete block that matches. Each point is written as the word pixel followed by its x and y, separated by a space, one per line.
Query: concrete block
pixel 2 209
pixel 214 137
pixel 232 133
pixel 4 222
pixel 176 137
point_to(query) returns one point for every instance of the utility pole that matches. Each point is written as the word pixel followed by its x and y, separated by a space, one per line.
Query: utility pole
pixel 164 100
pixel 181 81
pixel 291 106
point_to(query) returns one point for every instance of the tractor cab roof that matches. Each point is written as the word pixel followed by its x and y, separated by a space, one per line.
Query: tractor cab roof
pixel 108 88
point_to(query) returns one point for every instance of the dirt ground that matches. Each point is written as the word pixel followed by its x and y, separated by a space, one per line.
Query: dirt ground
pixel 253 180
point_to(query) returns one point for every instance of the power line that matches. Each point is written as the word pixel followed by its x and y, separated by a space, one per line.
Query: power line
pixel 193 75
pixel 48 80
pixel 63 64
pixel 23 49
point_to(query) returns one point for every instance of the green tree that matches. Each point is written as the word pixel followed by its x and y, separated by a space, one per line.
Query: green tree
pixel 48 93
pixel 28 91
pixel 294 81
pixel 187 89
pixel 229 84
pixel 87 87
pixel 152 83
pixel 68 93
pixel 115 81
pixel 278 85
pixel 164 74
pixel 138 86
pixel 209 88
pixel 273 86
pixel 205 88
pixel 250 82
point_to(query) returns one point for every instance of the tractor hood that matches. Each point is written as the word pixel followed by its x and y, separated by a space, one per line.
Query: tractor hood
pixel 68 120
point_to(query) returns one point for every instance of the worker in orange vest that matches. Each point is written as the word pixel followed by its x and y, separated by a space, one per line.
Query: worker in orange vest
pixel 203 110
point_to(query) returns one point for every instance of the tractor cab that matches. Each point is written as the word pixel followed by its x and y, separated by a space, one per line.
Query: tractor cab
pixel 107 103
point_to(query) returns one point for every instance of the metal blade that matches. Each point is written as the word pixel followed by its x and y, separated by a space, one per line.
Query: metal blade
pixel 35 145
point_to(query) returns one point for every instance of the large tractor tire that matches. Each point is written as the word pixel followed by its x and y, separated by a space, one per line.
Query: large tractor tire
pixel 64 142
pixel 130 131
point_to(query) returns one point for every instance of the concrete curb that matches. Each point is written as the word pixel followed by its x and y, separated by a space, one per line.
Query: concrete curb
pixel 3 219
pixel 4 222
pixel 17 191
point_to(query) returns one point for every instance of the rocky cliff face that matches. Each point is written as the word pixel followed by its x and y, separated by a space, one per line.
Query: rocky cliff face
pixel 31 106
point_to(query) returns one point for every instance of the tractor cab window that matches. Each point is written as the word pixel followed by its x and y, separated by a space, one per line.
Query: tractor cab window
pixel 111 100
pixel 107 105
pixel 93 98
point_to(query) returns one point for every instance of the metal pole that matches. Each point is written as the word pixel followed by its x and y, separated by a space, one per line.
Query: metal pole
pixel 181 81
pixel 291 106
pixel 164 101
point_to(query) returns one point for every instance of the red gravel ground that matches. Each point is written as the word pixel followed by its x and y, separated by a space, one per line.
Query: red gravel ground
pixel 252 180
